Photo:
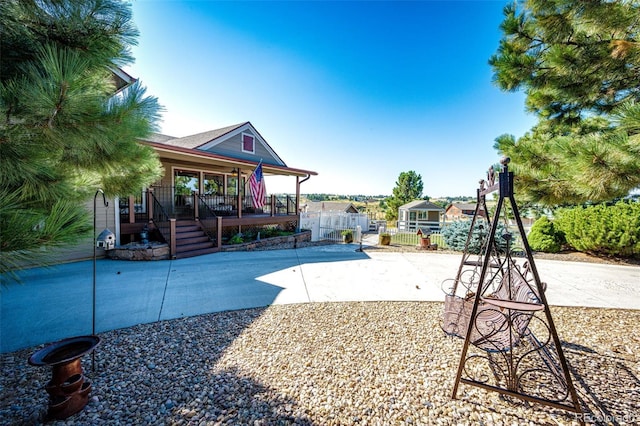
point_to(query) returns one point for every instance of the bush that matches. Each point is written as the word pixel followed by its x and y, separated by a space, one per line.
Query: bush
pixel 612 230
pixel 236 239
pixel 455 236
pixel 544 236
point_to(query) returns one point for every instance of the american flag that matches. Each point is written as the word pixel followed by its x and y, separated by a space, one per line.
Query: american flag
pixel 257 188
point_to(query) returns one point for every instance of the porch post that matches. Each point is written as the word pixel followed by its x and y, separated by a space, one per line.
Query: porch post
pixel 297 195
pixel 132 209
pixel 172 237
pixel 196 213
pixel 150 204
pixel 273 204
pixel 297 212
pixel 239 200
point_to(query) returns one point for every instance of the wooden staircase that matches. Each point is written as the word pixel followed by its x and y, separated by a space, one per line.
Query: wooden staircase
pixel 191 240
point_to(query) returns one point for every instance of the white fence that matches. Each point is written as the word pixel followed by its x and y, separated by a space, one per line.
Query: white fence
pixel 329 225
pixel 413 225
pixel 407 238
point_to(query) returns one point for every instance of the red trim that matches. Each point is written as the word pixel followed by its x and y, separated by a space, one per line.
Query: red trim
pixel 203 154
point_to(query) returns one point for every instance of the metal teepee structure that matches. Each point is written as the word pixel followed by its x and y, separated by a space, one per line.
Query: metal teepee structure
pixel 497 304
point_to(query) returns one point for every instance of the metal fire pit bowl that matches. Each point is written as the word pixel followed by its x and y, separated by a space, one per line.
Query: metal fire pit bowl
pixel 64 351
pixel 68 388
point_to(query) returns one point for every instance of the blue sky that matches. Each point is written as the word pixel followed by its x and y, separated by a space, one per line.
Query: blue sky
pixel 358 91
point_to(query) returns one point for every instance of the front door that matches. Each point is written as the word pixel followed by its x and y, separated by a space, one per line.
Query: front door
pixel 185 182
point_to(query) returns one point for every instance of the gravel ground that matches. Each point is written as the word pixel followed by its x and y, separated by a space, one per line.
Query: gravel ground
pixel 374 363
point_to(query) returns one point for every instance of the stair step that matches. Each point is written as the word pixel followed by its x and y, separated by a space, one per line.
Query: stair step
pixel 192 240
pixel 182 222
pixel 191 234
pixel 190 247
pixel 187 228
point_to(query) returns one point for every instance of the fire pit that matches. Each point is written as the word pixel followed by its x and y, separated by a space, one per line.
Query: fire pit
pixel 68 388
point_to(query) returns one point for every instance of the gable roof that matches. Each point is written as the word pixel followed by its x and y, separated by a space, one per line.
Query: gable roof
pixel 212 141
pixel 317 206
pixel 121 79
pixel 199 139
pixel 158 137
pixel 463 206
pixel 421 205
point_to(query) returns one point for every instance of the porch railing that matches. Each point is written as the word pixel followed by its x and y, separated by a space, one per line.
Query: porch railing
pixel 218 214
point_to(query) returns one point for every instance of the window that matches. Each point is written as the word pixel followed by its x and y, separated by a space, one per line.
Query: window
pixel 248 143
pixel 185 181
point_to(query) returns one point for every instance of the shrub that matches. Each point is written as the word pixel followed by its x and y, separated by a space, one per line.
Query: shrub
pixel 544 236
pixel 236 239
pixel 455 236
pixel 612 230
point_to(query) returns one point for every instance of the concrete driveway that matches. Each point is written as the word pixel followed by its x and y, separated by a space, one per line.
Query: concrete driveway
pixel 54 303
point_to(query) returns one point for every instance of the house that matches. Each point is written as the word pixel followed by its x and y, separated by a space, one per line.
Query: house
pixel 419 214
pixel 203 199
pixel 329 206
pixel 460 211
pixel 205 190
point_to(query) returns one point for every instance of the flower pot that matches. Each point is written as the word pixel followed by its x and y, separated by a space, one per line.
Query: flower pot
pixel 384 240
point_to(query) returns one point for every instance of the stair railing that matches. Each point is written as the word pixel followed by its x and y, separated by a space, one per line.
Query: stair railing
pixel 207 217
pixel 163 223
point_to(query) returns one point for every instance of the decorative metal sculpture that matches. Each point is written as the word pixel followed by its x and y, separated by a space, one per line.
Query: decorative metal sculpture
pixel 499 307
pixel 68 388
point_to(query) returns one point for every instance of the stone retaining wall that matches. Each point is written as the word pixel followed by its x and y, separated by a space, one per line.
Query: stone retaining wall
pixel 136 251
pixel 160 251
pixel 274 243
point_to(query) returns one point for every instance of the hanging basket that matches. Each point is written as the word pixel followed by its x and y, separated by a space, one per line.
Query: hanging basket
pixel 491 329
pixel 456 316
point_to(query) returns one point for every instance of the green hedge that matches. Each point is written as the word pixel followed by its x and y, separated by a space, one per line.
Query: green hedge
pixel 545 237
pixel 612 230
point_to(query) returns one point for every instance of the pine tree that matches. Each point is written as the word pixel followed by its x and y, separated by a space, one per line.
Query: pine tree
pixel 64 132
pixel 408 187
pixel 578 64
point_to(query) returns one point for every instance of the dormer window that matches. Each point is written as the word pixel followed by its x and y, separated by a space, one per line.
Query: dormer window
pixel 248 143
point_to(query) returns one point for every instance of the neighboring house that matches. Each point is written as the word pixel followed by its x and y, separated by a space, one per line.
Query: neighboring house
pixel 461 211
pixel 203 199
pixel 328 206
pixel 419 214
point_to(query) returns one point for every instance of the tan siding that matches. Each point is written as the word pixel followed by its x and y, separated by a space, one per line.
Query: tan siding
pixel 84 248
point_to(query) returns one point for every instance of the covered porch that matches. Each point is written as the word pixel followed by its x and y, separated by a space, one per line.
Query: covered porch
pixel 203 202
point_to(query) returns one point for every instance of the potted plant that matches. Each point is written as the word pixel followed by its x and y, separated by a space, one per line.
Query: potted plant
pixel 347 236
pixel 384 239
